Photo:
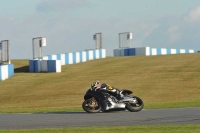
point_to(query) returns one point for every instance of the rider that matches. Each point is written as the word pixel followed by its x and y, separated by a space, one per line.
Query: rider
pixel 111 90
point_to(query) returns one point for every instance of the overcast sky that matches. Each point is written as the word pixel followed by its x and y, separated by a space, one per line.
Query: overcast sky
pixel 69 25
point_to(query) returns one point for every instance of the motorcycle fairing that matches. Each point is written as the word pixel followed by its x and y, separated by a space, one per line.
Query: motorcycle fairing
pixel 107 101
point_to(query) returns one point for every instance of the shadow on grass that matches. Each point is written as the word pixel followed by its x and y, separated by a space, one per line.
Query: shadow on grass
pixel 24 69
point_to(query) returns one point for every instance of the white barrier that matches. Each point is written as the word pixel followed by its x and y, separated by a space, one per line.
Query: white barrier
pixel 6 71
pixel 77 57
pixel 52 63
pixel 150 51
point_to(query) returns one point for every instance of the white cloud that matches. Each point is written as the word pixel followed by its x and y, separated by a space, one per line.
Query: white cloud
pixel 59 5
pixel 173 29
pixel 193 15
pixel 147 29
pixel 174 33
pixel 139 30
pixel 174 37
pixel 7 18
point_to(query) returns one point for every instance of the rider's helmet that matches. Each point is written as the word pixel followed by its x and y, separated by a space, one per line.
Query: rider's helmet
pixel 95 85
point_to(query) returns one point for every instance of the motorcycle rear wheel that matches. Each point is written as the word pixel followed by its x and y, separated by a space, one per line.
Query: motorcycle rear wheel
pixel 135 107
pixel 91 106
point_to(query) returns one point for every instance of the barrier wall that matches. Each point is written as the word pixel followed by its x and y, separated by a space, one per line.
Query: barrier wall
pixel 6 71
pixel 132 51
pixel 147 51
pixel 52 63
pixel 165 51
pixel 77 57
pixel 44 66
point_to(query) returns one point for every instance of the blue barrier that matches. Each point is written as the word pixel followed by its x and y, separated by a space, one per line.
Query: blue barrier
pixel 44 66
pixel 131 51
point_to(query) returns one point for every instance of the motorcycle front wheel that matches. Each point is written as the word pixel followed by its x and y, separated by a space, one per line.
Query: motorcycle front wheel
pixel 136 105
pixel 91 105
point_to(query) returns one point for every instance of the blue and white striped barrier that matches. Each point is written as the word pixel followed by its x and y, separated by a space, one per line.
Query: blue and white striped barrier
pixel 147 51
pixel 77 57
pixel 6 71
pixel 165 51
pixel 44 66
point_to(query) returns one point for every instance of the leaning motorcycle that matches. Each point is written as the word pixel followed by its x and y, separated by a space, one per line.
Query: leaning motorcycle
pixel 101 101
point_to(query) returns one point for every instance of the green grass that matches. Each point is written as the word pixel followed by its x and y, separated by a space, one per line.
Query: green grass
pixel 169 81
pixel 119 129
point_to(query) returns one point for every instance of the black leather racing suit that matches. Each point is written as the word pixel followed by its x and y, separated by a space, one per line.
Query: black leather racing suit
pixel 112 90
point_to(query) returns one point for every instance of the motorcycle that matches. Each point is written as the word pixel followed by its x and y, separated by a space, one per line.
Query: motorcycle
pixel 101 101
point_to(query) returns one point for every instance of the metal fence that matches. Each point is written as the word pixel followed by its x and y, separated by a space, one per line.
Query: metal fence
pixel 0 52
pixel 4 51
pixel 37 43
pixel 98 40
pixel 125 39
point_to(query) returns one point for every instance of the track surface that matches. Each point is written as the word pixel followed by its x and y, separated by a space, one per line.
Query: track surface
pixel 82 119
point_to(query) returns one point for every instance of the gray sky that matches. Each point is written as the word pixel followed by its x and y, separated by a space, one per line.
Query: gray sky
pixel 69 25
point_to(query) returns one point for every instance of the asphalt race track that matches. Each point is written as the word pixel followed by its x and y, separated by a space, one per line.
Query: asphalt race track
pixel 83 119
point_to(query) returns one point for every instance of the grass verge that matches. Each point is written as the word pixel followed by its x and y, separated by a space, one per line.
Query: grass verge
pixel 120 129
pixel 167 81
